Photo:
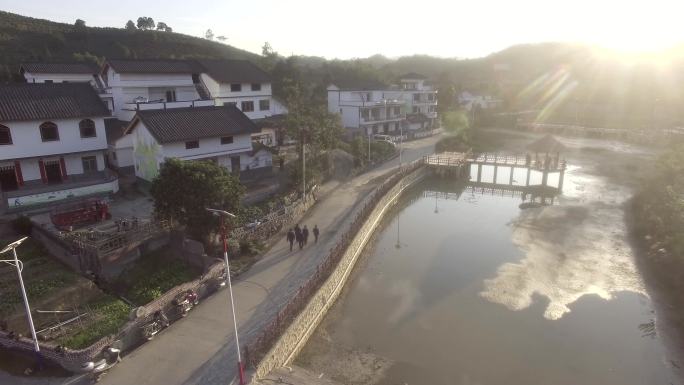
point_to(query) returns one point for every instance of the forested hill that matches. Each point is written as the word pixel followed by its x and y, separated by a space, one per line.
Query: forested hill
pixel 27 39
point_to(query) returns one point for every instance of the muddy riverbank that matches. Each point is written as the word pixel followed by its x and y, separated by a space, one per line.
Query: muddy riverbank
pixel 463 288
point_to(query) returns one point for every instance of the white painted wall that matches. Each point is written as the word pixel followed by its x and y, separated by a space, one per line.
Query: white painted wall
pixel 208 147
pixel 59 78
pixel 28 143
pixel 148 154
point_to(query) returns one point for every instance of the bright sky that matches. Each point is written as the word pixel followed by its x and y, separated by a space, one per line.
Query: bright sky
pixel 355 28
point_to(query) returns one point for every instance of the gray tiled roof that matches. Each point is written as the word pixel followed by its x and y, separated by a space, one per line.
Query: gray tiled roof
pixel 182 124
pixel 49 101
pixel 229 71
pixel 359 84
pixel 149 66
pixel 114 128
pixel 413 76
pixel 60 68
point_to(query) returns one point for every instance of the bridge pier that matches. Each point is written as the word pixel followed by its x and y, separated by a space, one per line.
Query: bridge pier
pixel 510 177
pixel 479 173
pixel 560 179
pixel 496 168
pixel 527 181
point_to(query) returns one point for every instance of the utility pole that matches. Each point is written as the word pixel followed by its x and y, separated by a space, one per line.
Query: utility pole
pixel 303 168
pixel 20 267
pixel 369 148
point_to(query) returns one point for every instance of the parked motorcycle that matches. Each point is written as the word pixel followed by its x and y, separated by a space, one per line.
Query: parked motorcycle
pixel 110 357
pixel 186 302
pixel 159 322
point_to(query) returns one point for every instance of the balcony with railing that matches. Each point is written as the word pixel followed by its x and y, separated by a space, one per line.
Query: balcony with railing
pixel 163 105
pixel 382 118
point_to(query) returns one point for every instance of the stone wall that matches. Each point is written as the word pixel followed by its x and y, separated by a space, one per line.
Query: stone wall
pixel 301 328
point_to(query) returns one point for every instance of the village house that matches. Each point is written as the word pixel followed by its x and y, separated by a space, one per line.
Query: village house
pixel 222 134
pixel 82 72
pixel 469 100
pixel 52 143
pixel 366 108
pixel 373 108
pixel 137 85
pixel 243 84
pixel 420 101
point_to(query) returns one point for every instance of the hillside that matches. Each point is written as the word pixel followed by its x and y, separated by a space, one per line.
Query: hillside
pixel 27 39
pixel 564 83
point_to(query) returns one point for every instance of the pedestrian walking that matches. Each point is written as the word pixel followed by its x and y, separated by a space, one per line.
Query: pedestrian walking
pixel 291 237
pixel 305 234
pixel 298 236
pixel 316 232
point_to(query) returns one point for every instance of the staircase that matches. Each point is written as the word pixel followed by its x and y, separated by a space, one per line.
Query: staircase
pixel 202 91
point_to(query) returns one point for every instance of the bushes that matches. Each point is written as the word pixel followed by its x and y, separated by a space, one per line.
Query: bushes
pixel 109 314
pixel 22 225
pixel 153 275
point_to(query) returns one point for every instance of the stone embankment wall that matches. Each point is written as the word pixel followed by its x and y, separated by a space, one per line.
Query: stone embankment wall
pixel 297 334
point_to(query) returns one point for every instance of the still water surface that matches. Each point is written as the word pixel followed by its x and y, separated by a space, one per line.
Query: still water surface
pixel 465 288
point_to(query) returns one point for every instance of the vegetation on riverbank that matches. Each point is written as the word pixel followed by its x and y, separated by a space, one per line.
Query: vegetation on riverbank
pixel 153 275
pixel 656 220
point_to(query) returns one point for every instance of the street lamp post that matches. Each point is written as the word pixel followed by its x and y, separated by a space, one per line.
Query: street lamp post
pixel 369 148
pixel 20 266
pixel 222 214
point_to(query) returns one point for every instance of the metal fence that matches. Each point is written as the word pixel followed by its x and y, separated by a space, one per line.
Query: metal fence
pixel 255 350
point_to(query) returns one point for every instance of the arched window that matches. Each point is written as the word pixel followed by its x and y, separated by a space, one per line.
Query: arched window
pixel 5 135
pixel 49 132
pixel 87 128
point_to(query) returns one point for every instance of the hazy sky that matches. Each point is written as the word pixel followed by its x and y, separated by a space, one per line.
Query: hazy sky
pixel 354 28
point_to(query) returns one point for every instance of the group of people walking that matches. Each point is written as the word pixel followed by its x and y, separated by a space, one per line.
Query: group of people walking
pixel 301 235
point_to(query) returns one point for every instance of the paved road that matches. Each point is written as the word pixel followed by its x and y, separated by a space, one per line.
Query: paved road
pixel 200 348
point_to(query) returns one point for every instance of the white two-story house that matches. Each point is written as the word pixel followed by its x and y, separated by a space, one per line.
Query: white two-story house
pixel 420 101
pixel 221 134
pixel 366 109
pixel 153 84
pixel 52 144
pixel 242 84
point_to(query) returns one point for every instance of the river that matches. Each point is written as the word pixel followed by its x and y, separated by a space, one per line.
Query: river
pixel 461 287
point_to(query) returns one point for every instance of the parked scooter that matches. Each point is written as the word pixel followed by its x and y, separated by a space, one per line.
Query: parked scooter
pixel 159 322
pixel 110 357
pixel 186 302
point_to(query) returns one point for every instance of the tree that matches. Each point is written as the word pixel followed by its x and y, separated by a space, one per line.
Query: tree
pixel 209 35
pixel 161 26
pixel 222 38
pixel 313 125
pixel 184 189
pixel 130 25
pixel 269 57
pixel 145 23
pixel 80 24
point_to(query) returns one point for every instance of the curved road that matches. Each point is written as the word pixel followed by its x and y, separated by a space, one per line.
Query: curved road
pixel 200 348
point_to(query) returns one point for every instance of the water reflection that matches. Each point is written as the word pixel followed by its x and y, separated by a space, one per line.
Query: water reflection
pixel 438 310
pixel 571 250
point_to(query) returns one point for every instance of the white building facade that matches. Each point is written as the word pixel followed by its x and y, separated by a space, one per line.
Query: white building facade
pixel 221 134
pixel 366 111
pixel 52 144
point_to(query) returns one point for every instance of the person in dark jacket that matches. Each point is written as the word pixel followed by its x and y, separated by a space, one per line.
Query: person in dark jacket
pixel 305 234
pixel 299 237
pixel 291 237
pixel 316 232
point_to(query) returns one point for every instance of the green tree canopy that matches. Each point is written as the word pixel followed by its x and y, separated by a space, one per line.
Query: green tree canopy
pixel 209 34
pixel 184 189
pixel 130 25
pixel 145 22
pixel 80 24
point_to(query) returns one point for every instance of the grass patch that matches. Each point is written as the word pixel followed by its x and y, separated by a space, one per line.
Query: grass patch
pixel 42 276
pixel 109 314
pixel 153 275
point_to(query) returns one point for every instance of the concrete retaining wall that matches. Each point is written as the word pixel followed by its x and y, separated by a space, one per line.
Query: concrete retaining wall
pixel 298 333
